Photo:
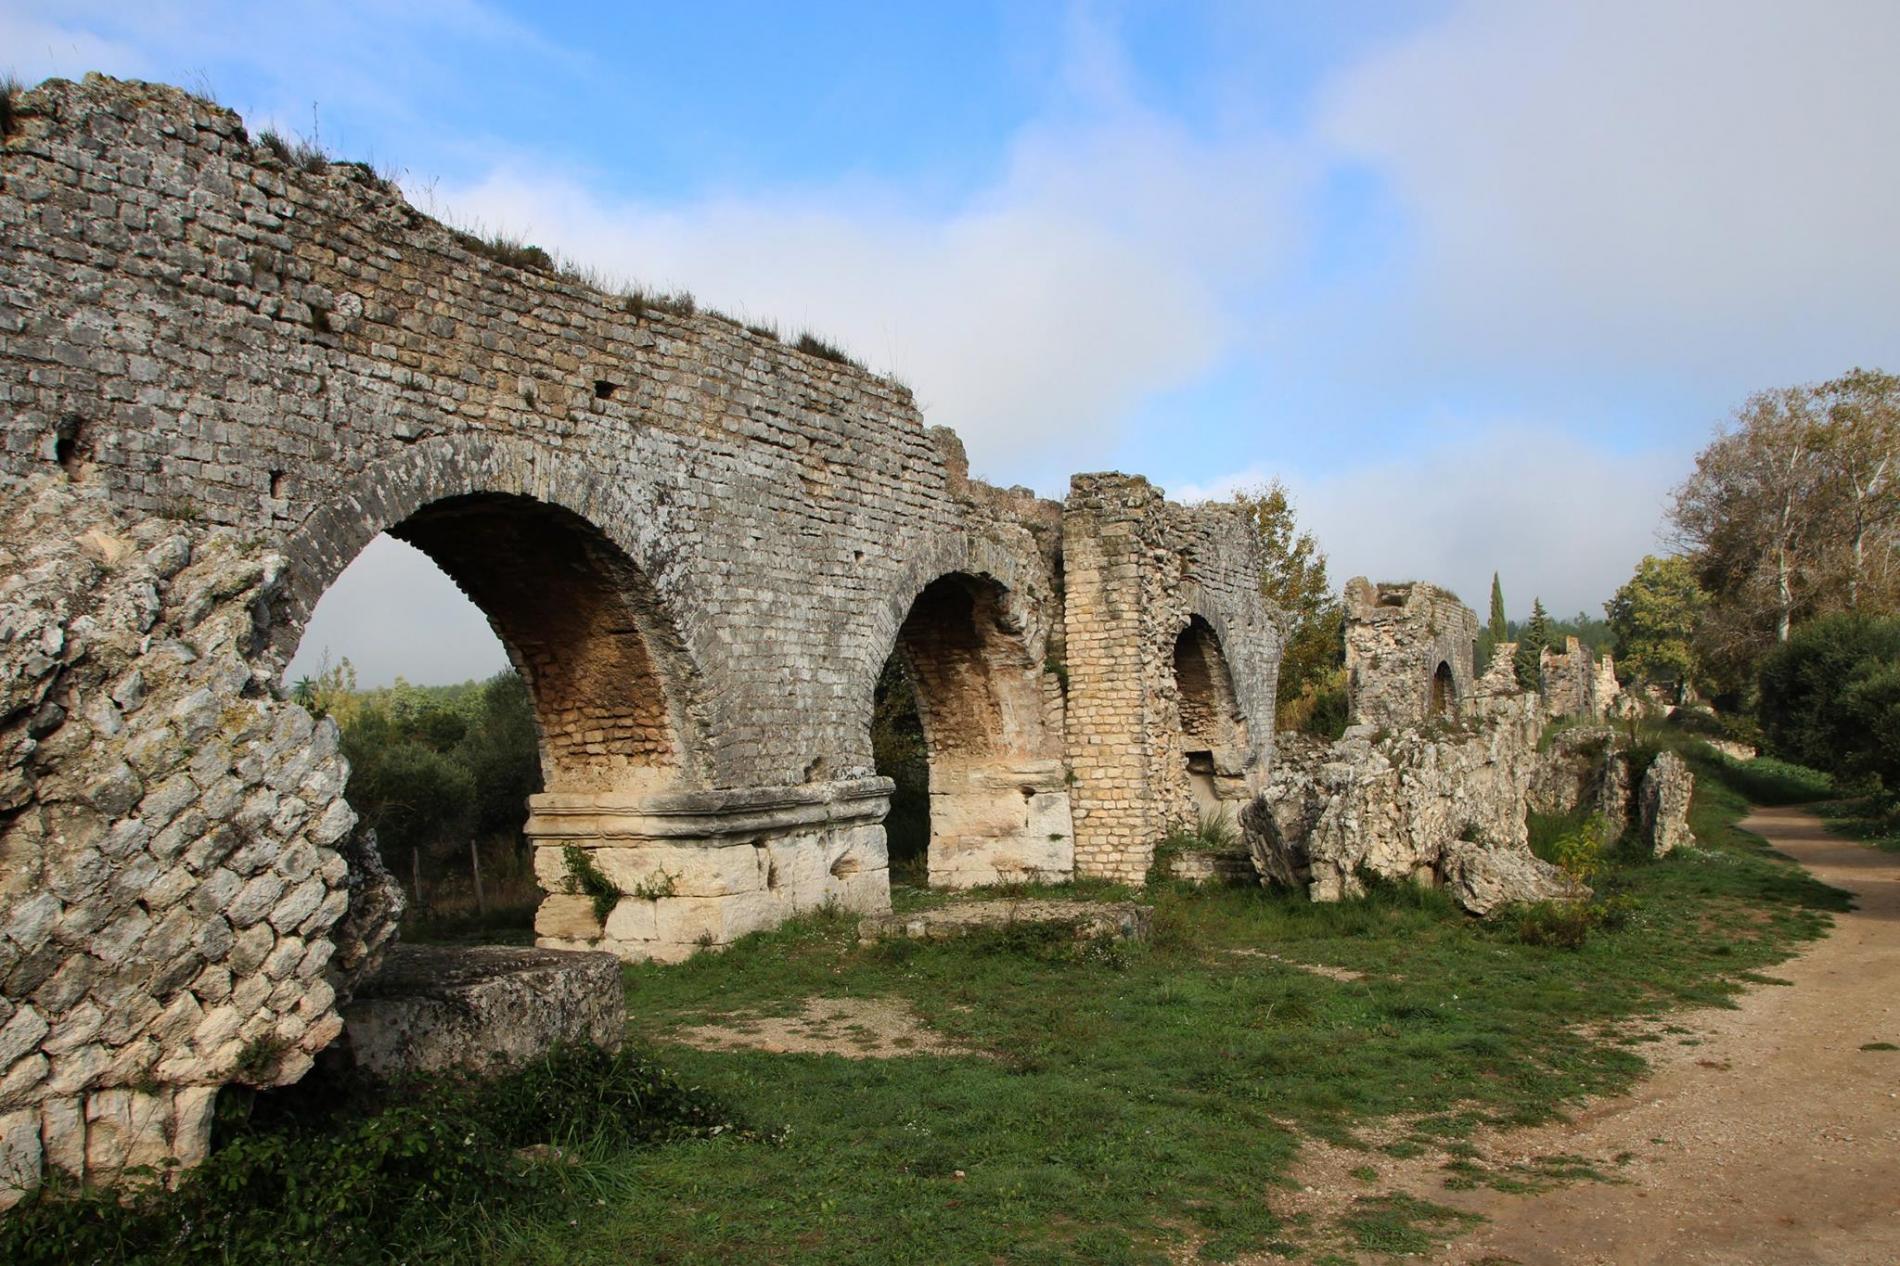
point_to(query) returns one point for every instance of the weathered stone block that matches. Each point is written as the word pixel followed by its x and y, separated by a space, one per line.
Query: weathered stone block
pixel 480 1009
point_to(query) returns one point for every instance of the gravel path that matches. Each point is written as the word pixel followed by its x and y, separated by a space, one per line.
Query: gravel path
pixel 1776 1142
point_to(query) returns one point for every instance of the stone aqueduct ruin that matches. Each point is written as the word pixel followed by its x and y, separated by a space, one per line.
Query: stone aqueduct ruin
pixel 223 375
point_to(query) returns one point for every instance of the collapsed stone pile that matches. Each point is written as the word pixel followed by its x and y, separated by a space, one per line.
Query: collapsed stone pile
pixel 172 875
pixel 1427 805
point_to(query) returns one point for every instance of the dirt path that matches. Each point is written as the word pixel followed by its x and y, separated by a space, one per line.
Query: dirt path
pixel 1776 1142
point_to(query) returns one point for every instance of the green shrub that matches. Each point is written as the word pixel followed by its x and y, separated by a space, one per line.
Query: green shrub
pixel 338 1169
pixel 1561 924
pixel 639 301
pixel 1830 698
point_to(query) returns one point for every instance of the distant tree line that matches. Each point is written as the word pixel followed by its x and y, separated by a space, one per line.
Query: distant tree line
pixel 434 768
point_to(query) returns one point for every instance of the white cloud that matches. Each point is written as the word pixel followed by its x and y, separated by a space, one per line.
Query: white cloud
pixel 1697 187
pixel 34 48
pixel 1554 516
pixel 393 613
pixel 1095 270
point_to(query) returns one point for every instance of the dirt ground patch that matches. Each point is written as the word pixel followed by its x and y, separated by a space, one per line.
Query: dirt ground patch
pixel 1768 1135
pixel 856 1028
pixel 1344 975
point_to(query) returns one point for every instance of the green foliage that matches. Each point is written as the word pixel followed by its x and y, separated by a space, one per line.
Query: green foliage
pixel 898 753
pixel 1654 618
pixel 1830 698
pixel 1531 641
pixel 340 1170
pixel 1793 513
pixel 1200 1063
pixel 1208 833
pixel 1293 578
pixel 590 883
pixel 652 888
pixel 433 767
pixel 508 251
pixel 301 153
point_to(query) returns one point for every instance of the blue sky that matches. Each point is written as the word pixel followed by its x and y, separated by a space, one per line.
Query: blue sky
pixel 1475 279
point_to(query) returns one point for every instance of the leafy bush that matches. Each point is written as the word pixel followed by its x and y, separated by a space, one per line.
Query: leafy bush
pixel 338 1169
pixel 1830 698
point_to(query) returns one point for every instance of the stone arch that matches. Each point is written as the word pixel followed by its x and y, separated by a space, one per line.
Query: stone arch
pixel 1215 742
pixel 1444 691
pixel 1248 643
pixel 999 802
pixel 544 554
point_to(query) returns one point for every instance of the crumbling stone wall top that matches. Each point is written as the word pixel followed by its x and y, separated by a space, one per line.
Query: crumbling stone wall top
pixel 1409 652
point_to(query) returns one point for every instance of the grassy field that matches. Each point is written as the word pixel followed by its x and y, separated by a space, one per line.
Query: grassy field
pixel 1117 1103
pixel 1128 1102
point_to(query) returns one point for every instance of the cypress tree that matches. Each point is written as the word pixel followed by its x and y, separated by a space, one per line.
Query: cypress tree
pixel 1530 645
pixel 1500 631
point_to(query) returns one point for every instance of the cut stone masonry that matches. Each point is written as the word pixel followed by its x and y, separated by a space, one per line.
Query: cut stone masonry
pixel 221 376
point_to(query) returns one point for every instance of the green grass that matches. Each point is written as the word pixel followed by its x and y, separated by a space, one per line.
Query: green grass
pixel 1127 1102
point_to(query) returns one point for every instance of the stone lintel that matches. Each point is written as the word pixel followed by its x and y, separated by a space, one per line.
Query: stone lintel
pixel 715 817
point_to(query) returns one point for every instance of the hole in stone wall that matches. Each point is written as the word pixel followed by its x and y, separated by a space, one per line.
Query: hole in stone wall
pixel 71 452
pixel 603 390
pixel 277 485
pixel 1209 712
pixel 1444 690
pixel 844 867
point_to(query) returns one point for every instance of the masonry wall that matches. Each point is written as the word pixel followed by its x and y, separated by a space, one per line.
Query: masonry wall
pixel 1398 637
pixel 222 376
pixel 1138 571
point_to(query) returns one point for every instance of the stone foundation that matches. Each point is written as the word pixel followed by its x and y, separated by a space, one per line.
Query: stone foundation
pixel 701 869
pixel 1000 825
pixel 480 1009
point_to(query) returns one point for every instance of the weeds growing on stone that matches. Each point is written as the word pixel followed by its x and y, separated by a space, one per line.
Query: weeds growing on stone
pixel 812 345
pixel 9 89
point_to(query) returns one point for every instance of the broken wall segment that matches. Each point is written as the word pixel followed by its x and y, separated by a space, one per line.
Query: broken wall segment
pixel 1138 573
pixel 1394 805
pixel 1409 653
pixel 1576 683
pixel 170 872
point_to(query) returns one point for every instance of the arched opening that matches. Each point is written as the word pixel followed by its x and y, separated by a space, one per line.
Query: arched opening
pixel 1444 691
pixel 457 727
pixel 983 756
pixel 1214 738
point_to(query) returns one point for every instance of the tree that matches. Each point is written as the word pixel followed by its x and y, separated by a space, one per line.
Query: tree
pixel 1830 697
pixel 1500 627
pixel 1531 641
pixel 1293 578
pixel 1792 512
pixel 1858 437
pixel 1655 617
